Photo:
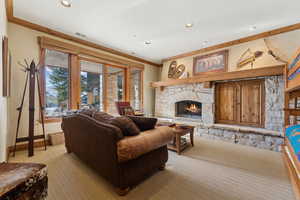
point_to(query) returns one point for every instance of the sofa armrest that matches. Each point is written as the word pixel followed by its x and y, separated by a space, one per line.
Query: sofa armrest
pixel 93 142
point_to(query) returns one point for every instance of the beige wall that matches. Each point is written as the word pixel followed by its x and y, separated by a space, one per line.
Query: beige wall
pixel 3 101
pixel 23 44
pixel 286 43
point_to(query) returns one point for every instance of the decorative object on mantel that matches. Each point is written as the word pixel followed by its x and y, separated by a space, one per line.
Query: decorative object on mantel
pixel 185 75
pixel 175 71
pixel 274 52
pixel 248 57
pixel 211 63
pixel 32 76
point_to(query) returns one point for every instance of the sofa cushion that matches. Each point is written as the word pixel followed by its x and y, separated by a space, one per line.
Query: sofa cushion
pixel 144 123
pixel 88 112
pixel 126 125
pixel 103 117
pixel 132 147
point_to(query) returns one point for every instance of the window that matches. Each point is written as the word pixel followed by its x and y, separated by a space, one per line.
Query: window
pixel 241 102
pixel 136 88
pixel 91 81
pixel 69 81
pixel 84 78
pixel 56 95
pixel 115 88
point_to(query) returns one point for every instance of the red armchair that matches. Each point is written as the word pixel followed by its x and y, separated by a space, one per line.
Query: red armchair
pixel 124 108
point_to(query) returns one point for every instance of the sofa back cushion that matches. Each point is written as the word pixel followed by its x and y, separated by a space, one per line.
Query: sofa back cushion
pixel 103 117
pixel 144 123
pixel 88 112
pixel 126 125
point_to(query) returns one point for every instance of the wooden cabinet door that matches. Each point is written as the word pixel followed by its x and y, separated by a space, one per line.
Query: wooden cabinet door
pixel 226 94
pixel 240 103
pixel 251 97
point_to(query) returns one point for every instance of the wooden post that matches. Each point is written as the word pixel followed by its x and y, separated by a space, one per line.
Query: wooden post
pixel 31 107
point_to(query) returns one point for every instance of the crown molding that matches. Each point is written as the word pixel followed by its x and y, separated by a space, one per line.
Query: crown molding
pixel 236 42
pixel 11 18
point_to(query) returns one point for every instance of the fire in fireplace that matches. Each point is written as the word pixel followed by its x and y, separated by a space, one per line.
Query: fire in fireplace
pixel 188 109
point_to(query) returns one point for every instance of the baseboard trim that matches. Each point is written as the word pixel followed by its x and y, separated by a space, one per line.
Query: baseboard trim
pixel 24 146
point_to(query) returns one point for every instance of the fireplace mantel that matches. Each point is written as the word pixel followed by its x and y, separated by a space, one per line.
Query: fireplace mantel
pixel 221 76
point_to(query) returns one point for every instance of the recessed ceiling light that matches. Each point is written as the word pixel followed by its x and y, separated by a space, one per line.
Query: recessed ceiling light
pixel 66 3
pixel 147 42
pixel 252 28
pixel 189 25
pixel 205 42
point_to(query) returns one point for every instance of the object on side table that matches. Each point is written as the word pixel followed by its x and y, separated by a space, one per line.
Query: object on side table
pixel 179 144
pixel 20 181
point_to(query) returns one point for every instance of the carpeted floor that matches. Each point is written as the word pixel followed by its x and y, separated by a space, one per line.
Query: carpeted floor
pixel 212 170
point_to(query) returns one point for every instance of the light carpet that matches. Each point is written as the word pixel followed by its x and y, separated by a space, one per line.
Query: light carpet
pixel 212 170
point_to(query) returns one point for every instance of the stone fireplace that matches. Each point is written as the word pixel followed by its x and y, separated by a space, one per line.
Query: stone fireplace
pixel 188 109
pixel 195 105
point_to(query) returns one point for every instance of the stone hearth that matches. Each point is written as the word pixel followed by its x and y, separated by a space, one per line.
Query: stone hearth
pixel 269 137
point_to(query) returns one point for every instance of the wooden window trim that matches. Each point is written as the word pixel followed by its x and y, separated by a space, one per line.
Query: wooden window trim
pixel 74 78
pixel 238 104
pixel 141 85
pixel 43 87
pixel 105 72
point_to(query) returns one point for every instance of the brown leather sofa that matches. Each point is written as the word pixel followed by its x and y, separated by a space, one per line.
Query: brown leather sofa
pixel 98 144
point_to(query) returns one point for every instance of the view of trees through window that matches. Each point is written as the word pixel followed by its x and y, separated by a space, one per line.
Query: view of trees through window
pixel 93 84
pixel 57 83
pixel 91 81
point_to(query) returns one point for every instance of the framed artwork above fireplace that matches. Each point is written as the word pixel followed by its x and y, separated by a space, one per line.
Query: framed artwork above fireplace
pixel 210 63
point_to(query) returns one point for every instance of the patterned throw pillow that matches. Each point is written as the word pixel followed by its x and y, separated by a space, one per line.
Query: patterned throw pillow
pixel 144 123
pixel 126 125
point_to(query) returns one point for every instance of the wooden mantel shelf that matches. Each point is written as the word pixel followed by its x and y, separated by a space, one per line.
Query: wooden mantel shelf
pixel 221 76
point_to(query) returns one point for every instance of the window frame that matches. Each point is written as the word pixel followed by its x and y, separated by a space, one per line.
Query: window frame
pixel 74 80
pixel 141 85
pixel 42 83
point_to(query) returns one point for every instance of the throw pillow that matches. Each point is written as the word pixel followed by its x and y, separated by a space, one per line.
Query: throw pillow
pixel 126 125
pixel 103 117
pixel 144 123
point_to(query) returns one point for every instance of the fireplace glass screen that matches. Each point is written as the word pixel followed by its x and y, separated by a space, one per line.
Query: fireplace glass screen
pixel 188 109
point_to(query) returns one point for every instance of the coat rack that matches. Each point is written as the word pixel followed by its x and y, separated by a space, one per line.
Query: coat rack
pixel 32 75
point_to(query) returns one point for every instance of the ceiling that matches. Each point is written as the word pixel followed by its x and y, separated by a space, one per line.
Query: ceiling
pixel 125 25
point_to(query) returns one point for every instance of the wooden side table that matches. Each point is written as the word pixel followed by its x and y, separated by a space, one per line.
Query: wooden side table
pixel 180 131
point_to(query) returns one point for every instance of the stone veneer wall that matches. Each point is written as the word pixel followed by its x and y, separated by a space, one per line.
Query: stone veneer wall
pixel 268 138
